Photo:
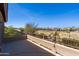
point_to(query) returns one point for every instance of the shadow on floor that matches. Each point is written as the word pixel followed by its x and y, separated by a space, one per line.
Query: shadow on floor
pixel 23 48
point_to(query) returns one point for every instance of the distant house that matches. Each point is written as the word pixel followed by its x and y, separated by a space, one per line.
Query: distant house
pixel 3 19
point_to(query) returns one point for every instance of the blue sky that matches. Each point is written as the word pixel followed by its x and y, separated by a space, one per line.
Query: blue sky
pixel 43 14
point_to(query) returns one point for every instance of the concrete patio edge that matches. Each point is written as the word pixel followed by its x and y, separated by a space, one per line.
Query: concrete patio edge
pixel 44 48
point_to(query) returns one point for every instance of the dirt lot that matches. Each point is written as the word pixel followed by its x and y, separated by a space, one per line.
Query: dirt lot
pixel 74 35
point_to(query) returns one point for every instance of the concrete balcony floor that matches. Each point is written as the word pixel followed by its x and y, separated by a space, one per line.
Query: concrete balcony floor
pixel 23 48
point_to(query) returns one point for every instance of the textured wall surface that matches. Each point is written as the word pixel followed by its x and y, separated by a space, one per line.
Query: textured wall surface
pixel 1 30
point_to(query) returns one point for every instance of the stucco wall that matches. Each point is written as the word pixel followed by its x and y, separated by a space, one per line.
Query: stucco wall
pixel 1 28
pixel 1 31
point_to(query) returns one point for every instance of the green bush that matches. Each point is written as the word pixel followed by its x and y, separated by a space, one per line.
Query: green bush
pixel 11 33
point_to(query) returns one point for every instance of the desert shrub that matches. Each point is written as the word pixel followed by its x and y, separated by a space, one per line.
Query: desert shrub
pixel 71 42
pixel 30 28
pixel 41 35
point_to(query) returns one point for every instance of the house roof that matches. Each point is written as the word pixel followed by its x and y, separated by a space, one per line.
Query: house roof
pixel 4 11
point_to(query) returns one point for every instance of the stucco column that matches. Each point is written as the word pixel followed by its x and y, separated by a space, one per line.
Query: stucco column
pixel 1 31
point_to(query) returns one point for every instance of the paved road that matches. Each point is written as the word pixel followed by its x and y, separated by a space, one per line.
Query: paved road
pixel 24 48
